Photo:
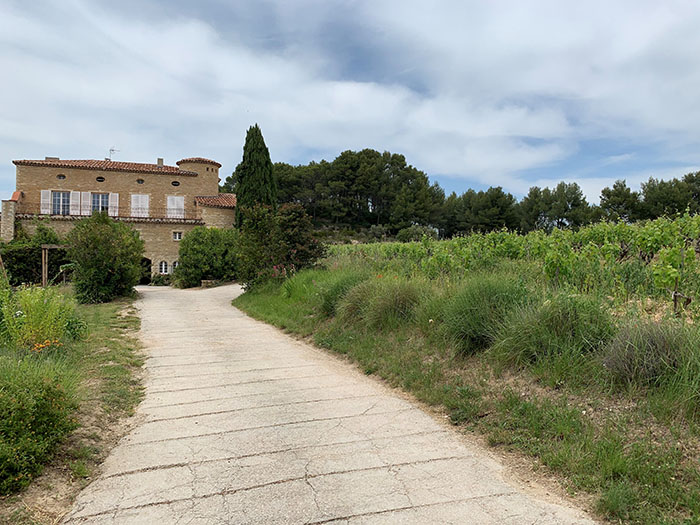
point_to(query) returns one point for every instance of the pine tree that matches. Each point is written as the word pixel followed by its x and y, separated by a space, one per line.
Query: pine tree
pixel 255 181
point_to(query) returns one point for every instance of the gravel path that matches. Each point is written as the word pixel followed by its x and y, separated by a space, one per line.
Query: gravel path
pixel 243 424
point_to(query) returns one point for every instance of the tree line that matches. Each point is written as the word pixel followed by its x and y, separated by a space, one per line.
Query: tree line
pixel 361 189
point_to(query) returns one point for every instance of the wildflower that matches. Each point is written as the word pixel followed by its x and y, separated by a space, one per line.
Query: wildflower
pixel 18 313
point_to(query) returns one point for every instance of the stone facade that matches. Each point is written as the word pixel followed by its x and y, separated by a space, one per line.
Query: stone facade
pixel 161 202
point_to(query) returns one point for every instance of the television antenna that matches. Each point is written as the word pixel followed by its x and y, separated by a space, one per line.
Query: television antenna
pixel 112 151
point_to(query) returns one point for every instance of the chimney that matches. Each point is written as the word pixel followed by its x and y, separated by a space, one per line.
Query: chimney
pixel 160 161
pixel 51 158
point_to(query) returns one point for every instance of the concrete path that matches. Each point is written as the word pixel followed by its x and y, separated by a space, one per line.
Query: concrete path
pixel 243 424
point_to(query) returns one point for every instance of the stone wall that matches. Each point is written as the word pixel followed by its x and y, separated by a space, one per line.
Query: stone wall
pixel 218 217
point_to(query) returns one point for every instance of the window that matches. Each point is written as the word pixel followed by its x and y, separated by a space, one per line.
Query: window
pixel 175 183
pixel 163 267
pixel 177 236
pixel 100 179
pixel 100 202
pixel 60 202
pixel 175 265
pixel 61 176
pixel 176 207
pixel 139 205
pixel 140 181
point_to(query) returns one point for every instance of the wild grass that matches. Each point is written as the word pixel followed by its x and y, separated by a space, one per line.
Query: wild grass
pixel 478 305
pixel 44 386
pixel 522 362
pixel 556 339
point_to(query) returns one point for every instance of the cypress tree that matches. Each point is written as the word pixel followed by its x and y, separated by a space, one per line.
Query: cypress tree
pixel 255 180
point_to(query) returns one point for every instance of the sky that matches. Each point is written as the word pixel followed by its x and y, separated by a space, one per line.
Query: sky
pixel 474 93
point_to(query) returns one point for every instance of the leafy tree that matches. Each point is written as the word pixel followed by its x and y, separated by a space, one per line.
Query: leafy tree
pixel 620 202
pixel 275 244
pixel 107 256
pixel 662 197
pixel 254 181
pixel 533 210
pixel 568 206
pixel 206 253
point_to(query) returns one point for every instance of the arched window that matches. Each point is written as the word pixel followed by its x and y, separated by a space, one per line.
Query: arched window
pixel 163 267
pixel 175 264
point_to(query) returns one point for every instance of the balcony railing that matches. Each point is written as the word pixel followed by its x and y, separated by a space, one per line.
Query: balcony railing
pixel 123 213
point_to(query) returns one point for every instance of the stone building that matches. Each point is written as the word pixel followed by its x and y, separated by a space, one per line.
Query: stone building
pixel 162 202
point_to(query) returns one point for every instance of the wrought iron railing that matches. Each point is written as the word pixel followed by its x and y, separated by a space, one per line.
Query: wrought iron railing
pixel 123 212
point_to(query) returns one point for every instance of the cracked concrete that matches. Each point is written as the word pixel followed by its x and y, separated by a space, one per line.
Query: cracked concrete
pixel 242 424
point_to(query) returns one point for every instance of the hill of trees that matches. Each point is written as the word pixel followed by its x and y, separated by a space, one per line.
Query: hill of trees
pixel 360 189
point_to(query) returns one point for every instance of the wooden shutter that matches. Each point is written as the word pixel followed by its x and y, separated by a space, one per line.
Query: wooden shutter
pixel 144 205
pixel 176 207
pixel 85 203
pixel 45 202
pixel 75 203
pixel 113 210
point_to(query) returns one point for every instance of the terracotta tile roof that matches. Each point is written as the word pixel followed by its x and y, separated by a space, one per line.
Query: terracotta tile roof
pixel 106 165
pixel 201 160
pixel 222 200
pixel 16 196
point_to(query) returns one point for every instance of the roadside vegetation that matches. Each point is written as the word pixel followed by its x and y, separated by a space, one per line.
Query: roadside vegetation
pixel 68 371
pixel 580 349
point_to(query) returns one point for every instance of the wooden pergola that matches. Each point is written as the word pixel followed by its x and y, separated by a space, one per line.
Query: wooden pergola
pixel 45 261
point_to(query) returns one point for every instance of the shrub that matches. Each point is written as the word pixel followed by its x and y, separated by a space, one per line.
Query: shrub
pixel 37 400
pixel 275 244
pixel 37 319
pixel 22 256
pixel 416 233
pixel 161 280
pixel 206 253
pixel 556 337
pixel 107 256
pixel 483 300
pixel 641 352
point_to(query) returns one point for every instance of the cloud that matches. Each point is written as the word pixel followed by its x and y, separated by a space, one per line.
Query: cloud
pixel 488 93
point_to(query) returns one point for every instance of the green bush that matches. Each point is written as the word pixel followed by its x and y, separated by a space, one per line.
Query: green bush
pixel 37 401
pixel 275 244
pixel 22 256
pixel 416 233
pixel 107 256
pixel 206 253
pixel 476 308
pixel 37 319
pixel 556 338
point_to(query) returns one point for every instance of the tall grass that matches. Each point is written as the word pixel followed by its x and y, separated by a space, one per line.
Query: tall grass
pixel 34 318
pixel 37 401
pixel 557 339
pixel 478 305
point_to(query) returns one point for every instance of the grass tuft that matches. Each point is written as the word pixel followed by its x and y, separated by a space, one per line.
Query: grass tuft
pixel 555 339
pixel 480 303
